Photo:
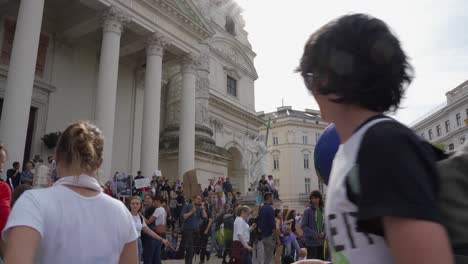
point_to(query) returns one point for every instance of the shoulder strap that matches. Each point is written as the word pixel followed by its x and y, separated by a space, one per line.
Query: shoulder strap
pixel 141 219
pixel 350 191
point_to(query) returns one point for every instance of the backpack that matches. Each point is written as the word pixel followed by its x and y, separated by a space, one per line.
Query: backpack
pixel 453 201
pixel 228 221
pixel 452 198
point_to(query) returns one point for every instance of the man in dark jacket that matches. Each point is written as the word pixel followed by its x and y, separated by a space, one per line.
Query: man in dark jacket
pixel 267 227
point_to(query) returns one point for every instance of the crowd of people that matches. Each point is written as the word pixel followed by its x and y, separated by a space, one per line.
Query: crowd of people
pixel 381 202
pixel 159 221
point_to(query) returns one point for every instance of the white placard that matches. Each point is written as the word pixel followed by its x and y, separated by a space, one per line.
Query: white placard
pixel 142 183
pixel 157 173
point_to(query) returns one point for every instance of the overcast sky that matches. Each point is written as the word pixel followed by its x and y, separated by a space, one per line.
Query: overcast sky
pixel 433 33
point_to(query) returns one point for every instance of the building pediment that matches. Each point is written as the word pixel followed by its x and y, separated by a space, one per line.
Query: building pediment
pixel 185 13
pixel 231 52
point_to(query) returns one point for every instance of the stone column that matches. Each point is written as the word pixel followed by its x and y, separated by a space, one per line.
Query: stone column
pixel 203 130
pixel 20 80
pixel 106 95
pixel 152 104
pixel 187 118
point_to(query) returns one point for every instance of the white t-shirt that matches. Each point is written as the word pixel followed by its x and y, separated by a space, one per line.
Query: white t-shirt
pixel 160 214
pixel 271 183
pixel 74 229
pixel 139 223
pixel 350 245
pixel 241 228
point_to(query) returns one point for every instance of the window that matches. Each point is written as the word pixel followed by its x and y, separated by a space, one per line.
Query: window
pixel 307 186
pixel 430 134
pixel 276 163
pixel 458 117
pixel 306 161
pixel 275 140
pixel 462 140
pixel 447 126
pixel 305 140
pixel 438 130
pixel 451 146
pixel 317 136
pixel 231 86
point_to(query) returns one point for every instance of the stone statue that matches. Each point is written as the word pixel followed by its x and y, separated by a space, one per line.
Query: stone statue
pixel 254 159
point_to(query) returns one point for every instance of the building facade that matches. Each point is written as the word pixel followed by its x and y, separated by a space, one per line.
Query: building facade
pixel 447 126
pixel 291 142
pixel 170 82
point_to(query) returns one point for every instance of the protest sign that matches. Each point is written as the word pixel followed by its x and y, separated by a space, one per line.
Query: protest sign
pixel 124 185
pixel 142 183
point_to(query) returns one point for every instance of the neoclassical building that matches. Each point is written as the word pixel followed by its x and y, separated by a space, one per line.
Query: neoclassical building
pixel 170 82
pixel 292 136
pixel 447 125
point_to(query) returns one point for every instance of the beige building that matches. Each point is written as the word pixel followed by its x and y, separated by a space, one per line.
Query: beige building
pixel 447 125
pixel 170 82
pixel 291 142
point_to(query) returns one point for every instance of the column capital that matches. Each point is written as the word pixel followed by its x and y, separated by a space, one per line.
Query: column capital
pixel 190 63
pixel 114 20
pixel 156 43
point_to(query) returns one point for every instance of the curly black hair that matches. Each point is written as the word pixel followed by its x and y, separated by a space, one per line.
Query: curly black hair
pixel 362 61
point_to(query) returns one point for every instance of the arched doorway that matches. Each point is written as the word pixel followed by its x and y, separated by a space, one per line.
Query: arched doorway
pixel 236 171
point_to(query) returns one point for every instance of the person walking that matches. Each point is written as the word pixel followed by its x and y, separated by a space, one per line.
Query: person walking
pixel 228 222
pixel 241 250
pixel 73 215
pixel 267 227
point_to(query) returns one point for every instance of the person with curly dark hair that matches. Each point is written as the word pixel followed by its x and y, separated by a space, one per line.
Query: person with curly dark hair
pixel 381 198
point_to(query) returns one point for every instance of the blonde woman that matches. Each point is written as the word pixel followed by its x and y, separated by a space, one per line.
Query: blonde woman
pixel 73 221
pixel 140 225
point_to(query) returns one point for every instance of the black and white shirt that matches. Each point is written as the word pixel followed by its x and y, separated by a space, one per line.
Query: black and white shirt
pixel 384 169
